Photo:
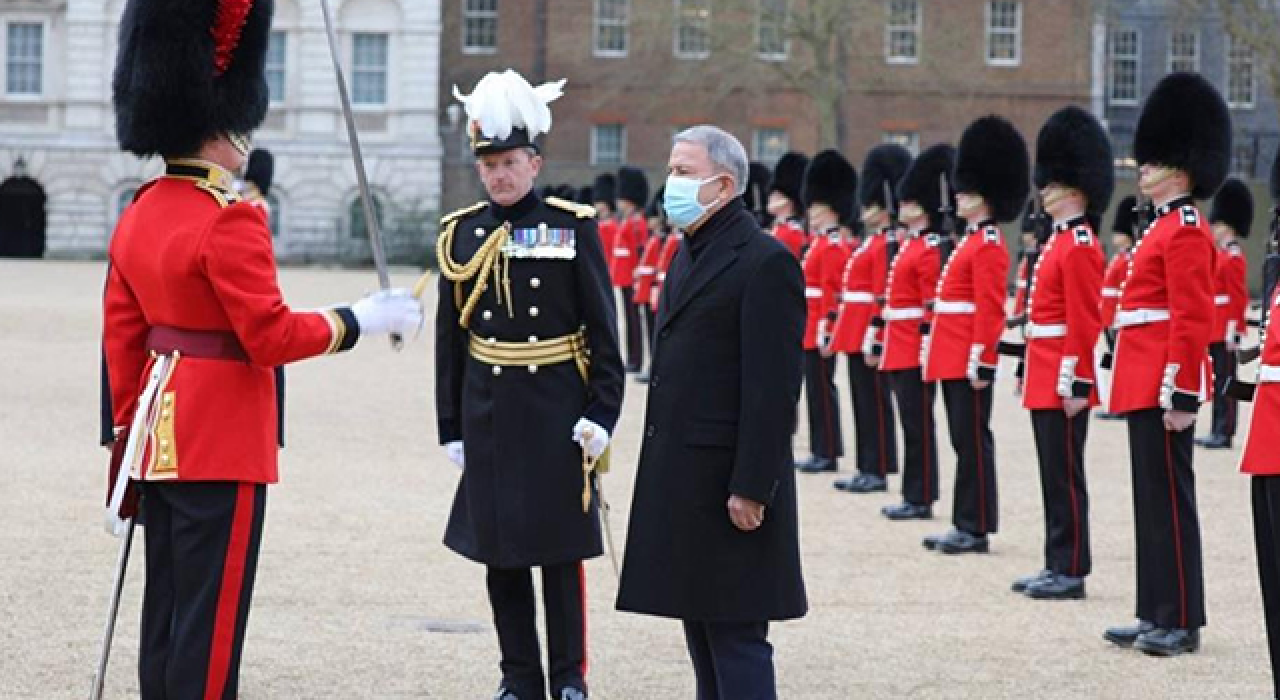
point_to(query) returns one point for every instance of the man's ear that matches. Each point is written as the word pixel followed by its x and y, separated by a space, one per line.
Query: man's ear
pixel 535 161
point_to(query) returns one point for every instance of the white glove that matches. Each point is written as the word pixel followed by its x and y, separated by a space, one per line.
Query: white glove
pixel 388 311
pixel 593 438
pixel 456 454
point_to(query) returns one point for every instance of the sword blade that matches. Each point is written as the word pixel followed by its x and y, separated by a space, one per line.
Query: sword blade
pixel 605 509
pixel 113 611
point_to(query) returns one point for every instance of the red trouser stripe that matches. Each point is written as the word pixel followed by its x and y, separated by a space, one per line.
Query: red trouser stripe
pixel 582 587
pixel 1071 488
pixel 228 611
pixel 1177 529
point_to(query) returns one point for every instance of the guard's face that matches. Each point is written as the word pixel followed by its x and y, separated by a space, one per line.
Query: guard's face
pixel 912 214
pixel 969 205
pixel 508 176
pixel 780 206
pixel 821 218
pixel 1160 183
pixel 1121 241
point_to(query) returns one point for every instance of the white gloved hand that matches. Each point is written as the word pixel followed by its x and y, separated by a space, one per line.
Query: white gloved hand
pixel 388 311
pixel 593 438
pixel 456 454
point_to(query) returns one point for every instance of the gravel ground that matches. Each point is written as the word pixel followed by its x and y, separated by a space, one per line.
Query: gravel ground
pixel 357 598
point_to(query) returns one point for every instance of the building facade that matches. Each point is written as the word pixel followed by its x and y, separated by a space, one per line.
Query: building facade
pixel 63 181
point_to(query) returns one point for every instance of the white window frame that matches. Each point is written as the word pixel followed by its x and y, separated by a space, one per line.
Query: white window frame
pixel 43 23
pixel 276 101
pixel 479 15
pixel 595 144
pixel 679 14
pixel 1135 57
pixel 890 29
pixel 781 22
pixel 909 140
pixel 1195 45
pixel 357 70
pixel 992 31
pixel 758 136
pixel 1252 60
pixel 598 21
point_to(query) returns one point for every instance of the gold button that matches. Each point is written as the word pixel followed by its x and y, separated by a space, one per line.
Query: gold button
pixel 535 282
pixel 487 315
pixel 164 444
pixel 497 371
pixel 533 369
pixel 479 232
pixel 533 311
pixel 168 399
pixel 164 458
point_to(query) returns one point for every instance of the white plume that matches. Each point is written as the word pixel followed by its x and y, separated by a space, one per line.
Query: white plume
pixel 504 101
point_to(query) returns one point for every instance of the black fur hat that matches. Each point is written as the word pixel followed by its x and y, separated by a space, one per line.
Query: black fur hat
pixel 633 186
pixel 1185 124
pixel 788 177
pixel 1074 150
pixel 1233 206
pixel 605 189
pixel 189 70
pixel 756 196
pixel 992 161
pixel 922 182
pixel 261 169
pixel 1126 217
pixel 883 165
pixel 831 180
pixel 585 195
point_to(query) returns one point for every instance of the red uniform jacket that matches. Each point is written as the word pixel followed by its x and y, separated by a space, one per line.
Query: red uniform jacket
pixel 913 281
pixel 823 269
pixel 792 235
pixel 1021 284
pixel 1112 283
pixel 608 233
pixel 1166 315
pixel 670 246
pixel 646 269
pixel 968 314
pixel 865 277
pixel 626 249
pixel 1231 294
pixel 1260 454
pixel 187 255
pixel 1065 318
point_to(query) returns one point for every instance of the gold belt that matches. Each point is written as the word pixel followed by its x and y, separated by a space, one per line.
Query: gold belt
pixel 537 353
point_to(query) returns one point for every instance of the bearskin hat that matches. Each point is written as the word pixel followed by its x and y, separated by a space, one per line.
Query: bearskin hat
pixel 831 180
pixel 992 161
pixel 655 210
pixel 585 195
pixel 1233 206
pixel 261 170
pixel 1185 124
pixel 1074 150
pixel 187 71
pixel 605 190
pixel 788 176
pixel 1126 218
pixel 883 165
pixel 756 196
pixel 922 183
pixel 633 186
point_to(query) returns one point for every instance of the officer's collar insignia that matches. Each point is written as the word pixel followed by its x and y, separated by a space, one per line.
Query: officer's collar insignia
pixel 542 243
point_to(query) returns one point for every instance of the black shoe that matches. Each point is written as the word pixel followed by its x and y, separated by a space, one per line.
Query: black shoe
pixel 1020 584
pixel 1168 642
pixel 1214 442
pixel 961 542
pixel 817 465
pixel 643 377
pixel 571 693
pixel 1056 587
pixel 505 693
pixel 907 511
pixel 862 483
pixel 1126 636
pixel 930 542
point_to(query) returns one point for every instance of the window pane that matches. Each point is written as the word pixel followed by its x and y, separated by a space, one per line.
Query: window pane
pixel 276 51
pixel 608 144
pixel 771 39
pixel 479 25
pixel 769 144
pixel 902 42
pixel 1003 31
pixel 611 26
pixel 1241 87
pixel 1244 157
pixel 25 59
pixel 1184 51
pixel 369 69
pixel 693 28
pixel 1124 66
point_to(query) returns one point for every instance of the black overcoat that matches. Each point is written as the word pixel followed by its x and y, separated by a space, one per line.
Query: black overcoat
pixel 722 398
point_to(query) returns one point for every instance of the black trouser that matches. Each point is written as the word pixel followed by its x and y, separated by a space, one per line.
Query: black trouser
pixel 1170 568
pixel 650 324
pixel 1224 407
pixel 731 660
pixel 514 615
pixel 919 435
pixel 976 504
pixel 873 419
pixel 824 409
pixel 1060 448
pixel 633 330
pixel 1266 537
pixel 202 553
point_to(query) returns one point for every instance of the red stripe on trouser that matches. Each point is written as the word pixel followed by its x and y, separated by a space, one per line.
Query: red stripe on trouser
pixel 1071 488
pixel 982 469
pixel 582 588
pixel 1177 530
pixel 228 610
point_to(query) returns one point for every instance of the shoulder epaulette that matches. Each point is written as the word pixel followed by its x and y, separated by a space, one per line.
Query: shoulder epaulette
pixel 1083 236
pixel 1190 216
pixel 582 211
pixel 223 197
pixel 465 211
pixel 991 234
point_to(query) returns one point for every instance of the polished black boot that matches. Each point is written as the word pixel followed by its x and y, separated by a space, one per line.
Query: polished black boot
pixel 907 511
pixel 1168 642
pixel 1057 587
pixel 961 542
pixel 1214 442
pixel 1020 584
pixel 862 483
pixel 818 465
pixel 1125 636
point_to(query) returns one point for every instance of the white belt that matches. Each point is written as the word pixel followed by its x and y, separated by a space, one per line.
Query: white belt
pixel 1222 300
pixel 1111 292
pixel 812 292
pixel 1269 373
pixel 1138 317
pixel 643 270
pixel 858 297
pixel 1046 330
pixel 954 307
pixel 902 314
pixel 1021 284
pixel 622 252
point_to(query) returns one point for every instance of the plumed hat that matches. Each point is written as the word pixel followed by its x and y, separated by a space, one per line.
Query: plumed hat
pixel 261 169
pixel 633 186
pixel 884 165
pixel 1074 150
pixel 1185 124
pixel 1233 206
pixel 831 180
pixel 922 183
pixel 788 176
pixel 187 71
pixel 505 112
pixel 992 161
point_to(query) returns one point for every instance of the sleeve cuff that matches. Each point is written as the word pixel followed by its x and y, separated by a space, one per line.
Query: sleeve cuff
pixel 345 328
pixel 1185 402
pixel 449 430
pixel 986 373
pixel 1081 389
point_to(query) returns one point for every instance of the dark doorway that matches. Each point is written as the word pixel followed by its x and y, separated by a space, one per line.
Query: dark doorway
pixel 22 218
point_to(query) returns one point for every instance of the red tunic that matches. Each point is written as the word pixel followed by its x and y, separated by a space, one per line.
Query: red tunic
pixel 670 246
pixel 792 235
pixel 626 249
pixel 1022 282
pixel 968 317
pixel 1231 294
pixel 646 269
pixel 1166 315
pixel 608 233
pixel 823 268
pixel 1065 318
pixel 1112 283
pixel 865 277
pixel 186 255
pixel 913 281
pixel 1260 454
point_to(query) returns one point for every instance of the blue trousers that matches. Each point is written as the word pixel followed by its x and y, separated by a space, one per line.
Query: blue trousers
pixel 731 660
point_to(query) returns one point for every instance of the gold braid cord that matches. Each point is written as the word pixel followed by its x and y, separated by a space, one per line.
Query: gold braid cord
pixel 488 259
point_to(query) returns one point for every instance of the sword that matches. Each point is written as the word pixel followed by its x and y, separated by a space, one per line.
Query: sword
pixel 113 611
pixel 592 479
pixel 362 179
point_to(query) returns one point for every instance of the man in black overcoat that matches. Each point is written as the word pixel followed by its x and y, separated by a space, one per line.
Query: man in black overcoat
pixel 713 539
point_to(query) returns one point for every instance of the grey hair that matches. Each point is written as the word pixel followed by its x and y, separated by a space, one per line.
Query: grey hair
pixel 725 150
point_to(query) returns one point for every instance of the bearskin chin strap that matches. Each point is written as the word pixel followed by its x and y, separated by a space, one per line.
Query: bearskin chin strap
pixel 227 25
